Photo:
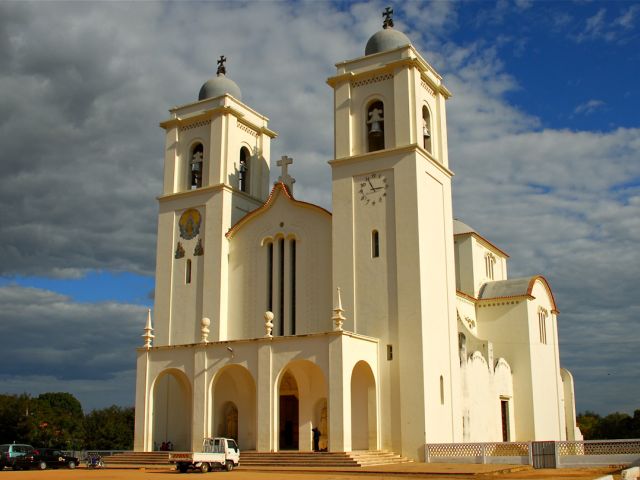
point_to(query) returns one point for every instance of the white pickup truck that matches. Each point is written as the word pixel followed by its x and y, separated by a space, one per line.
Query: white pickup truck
pixel 216 453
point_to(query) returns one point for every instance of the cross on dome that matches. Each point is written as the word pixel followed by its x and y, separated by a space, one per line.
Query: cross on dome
pixel 388 21
pixel 222 70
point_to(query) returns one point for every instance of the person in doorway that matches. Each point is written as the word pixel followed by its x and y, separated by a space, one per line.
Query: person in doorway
pixel 316 439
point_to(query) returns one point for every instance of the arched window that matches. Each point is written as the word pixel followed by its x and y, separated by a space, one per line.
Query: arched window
pixel 195 166
pixel 243 170
pixel 426 129
pixel 375 126
pixel 489 262
pixel 375 244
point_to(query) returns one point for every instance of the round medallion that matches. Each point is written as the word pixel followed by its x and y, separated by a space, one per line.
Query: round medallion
pixel 189 223
pixel 372 188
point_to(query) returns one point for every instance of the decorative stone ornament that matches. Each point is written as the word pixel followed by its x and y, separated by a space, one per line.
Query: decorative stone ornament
pixel 179 251
pixel 148 335
pixel 204 330
pixel 338 317
pixel 268 324
pixel 199 249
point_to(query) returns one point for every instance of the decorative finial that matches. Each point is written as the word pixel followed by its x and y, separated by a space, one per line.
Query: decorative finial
pixel 338 317
pixel 148 335
pixel 204 330
pixel 388 21
pixel 268 324
pixel 222 70
pixel 285 178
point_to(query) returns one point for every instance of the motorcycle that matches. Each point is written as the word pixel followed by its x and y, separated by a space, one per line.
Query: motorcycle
pixel 94 461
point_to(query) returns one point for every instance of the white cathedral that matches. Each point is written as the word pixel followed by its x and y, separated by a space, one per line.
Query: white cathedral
pixel 384 324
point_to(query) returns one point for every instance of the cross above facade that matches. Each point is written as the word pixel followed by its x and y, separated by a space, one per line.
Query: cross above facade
pixel 221 68
pixel 388 21
pixel 285 178
pixel 284 163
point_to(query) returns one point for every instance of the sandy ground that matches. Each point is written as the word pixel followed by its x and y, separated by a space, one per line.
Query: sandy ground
pixel 448 473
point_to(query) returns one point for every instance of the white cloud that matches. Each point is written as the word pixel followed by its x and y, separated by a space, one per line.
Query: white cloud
pixel 85 86
pixel 588 107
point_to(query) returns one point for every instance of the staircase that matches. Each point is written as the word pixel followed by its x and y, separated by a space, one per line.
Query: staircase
pixel 137 458
pixel 253 459
pixel 357 459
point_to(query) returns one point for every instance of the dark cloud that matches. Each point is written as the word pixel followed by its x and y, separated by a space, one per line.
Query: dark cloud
pixel 85 85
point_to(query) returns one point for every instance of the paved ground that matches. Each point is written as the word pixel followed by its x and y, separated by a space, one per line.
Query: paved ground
pixel 410 472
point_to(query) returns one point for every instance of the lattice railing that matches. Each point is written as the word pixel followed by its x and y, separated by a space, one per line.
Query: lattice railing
pixel 599 447
pixel 498 449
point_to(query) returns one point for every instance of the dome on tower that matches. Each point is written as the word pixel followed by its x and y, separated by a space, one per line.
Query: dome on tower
pixel 220 84
pixel 387 38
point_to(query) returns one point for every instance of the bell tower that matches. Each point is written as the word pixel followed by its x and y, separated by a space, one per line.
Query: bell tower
pixel 393 255
pixel 216 170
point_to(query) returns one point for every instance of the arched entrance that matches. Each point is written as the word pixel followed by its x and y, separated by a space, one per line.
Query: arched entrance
pixel 289 413
pixel 171 411
pixel 234 406
pixel 364 431
pixel 302 394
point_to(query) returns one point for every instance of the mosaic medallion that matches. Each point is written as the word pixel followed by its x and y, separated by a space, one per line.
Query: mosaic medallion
pixel 189 223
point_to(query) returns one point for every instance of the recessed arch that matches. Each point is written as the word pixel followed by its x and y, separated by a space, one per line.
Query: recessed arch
pixel 364 408
pixel 233 406
pixel 301 399
pixel 171 410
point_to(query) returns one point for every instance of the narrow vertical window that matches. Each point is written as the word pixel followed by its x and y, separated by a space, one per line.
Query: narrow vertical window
pixel 293 286
pixel 441 390
pixel 542 324
pixel 187 273
pixel 375 244
pixel 195 166
pixel 243 170
pixel 270 277
pixel 504 413
pixel 281 286
pixel 426 129
pixel 375 126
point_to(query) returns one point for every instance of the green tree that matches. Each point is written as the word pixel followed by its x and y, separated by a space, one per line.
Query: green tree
pixel 13 417
pixel 56 420
pixel 588 423
pixel 110 428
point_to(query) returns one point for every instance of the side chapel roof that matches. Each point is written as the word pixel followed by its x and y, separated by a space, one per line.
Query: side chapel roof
pixel 278 189
pixel 515 287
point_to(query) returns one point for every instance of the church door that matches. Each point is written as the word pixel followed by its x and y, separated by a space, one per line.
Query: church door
pixel 288 422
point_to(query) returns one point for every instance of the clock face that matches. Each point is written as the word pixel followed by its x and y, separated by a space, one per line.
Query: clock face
pixel 372 188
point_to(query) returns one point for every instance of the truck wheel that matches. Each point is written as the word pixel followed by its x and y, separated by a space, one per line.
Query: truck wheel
pixel 229 465
pixel 42 465
pixel 204 468
pixel 183 467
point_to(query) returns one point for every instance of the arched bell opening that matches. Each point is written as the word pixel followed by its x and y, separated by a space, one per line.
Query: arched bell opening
pixel 375 126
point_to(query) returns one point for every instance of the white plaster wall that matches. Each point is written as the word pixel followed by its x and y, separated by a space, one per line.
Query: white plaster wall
pixel 547 388
pixel 506 325
pixel 311 228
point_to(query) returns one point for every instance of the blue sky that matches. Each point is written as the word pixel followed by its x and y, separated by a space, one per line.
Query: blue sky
pixel 544 140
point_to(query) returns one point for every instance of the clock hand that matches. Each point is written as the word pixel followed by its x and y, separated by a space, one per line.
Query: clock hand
pixel 371 185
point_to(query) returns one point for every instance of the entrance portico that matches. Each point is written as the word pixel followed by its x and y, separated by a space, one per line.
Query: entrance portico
pixel 268 393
